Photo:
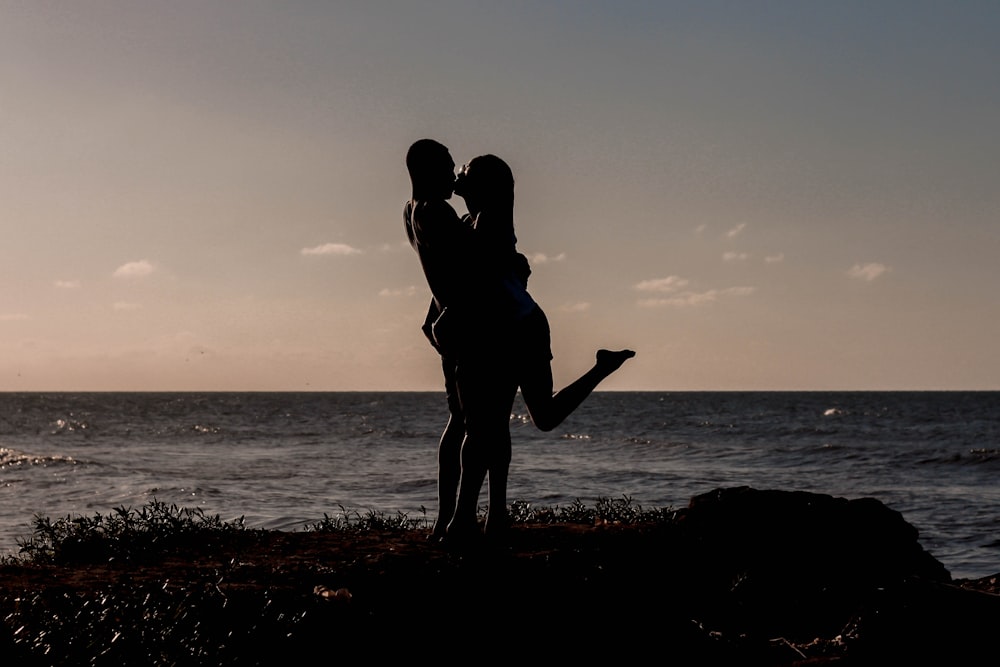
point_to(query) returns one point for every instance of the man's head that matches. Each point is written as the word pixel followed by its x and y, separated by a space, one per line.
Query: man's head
pixel 432 171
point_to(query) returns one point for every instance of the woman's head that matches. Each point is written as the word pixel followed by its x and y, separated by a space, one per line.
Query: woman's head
pixel 486 183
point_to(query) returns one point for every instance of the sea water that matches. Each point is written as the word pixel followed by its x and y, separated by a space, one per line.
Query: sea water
pixel 285 460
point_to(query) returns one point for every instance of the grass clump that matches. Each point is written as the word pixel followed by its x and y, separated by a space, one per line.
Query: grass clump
pixel 125 534
pixel 145 624
pixel 371 521
pixel 605 511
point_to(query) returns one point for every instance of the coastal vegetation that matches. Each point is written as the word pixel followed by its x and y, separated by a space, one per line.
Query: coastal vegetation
pixel 770 578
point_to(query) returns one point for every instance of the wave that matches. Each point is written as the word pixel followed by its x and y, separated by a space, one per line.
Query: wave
pixel 69 426
pixel 12 458
pixel 982 455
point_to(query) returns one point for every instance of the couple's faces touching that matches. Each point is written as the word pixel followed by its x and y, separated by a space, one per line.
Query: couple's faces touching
pixel 456 184
pixel 462 181
pixel 461 184
pixel 432 171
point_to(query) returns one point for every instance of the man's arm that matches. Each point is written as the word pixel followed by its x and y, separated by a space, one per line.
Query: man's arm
pixel 444 243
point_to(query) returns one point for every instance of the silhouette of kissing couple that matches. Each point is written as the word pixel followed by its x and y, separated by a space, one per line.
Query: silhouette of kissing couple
pixel 491 335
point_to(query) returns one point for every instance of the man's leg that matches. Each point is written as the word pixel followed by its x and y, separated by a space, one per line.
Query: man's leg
pixel 449 472
pixel 449 452
pixel 486 391
pixel 463 523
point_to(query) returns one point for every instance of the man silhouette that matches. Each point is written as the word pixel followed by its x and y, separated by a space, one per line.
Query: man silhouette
pixel 441 240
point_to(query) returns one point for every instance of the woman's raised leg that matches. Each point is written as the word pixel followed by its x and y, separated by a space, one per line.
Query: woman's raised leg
pixel 548 409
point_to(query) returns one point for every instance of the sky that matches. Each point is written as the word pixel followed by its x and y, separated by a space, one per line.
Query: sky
pixel 760 195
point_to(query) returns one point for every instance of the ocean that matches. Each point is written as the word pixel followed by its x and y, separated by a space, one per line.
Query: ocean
pixel 284 460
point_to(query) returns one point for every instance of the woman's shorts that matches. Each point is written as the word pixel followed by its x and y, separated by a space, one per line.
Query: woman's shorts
pixel 533 340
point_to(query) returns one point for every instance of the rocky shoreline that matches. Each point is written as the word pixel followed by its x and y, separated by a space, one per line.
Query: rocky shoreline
pixel 740 576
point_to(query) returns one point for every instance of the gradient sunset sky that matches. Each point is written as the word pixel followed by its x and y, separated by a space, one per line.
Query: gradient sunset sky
pixel 200 195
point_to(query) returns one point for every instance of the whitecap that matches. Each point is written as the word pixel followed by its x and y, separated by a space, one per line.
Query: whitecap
pixel 11 458
pixel 69 425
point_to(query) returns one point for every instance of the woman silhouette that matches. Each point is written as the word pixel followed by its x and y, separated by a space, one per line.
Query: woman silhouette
pixel 514 352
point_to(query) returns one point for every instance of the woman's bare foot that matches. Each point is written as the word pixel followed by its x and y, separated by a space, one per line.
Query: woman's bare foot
pixel 611 360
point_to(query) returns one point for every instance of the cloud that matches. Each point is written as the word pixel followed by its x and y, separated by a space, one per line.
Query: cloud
pixel 331 249
pixel 67 284
pixel 405 291
pixel 13 317
pixel 700 229
pixel 542 258
pixel 398 246
pixel 579 307
pixel 124 305
pixel 774 259
pixel 736 231
pixel 734 256
pixel 867 272
pixel 698 298
pixel 668 284
pixel 139 269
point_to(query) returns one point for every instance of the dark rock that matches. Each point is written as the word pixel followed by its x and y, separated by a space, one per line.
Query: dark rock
pixel 799 534
pixel 801 565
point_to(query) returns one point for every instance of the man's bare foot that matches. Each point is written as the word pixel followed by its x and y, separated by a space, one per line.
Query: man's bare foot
pixel 611 360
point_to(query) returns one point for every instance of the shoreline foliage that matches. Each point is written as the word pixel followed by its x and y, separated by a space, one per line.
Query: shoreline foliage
pixel 125 534
pixel 737 577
